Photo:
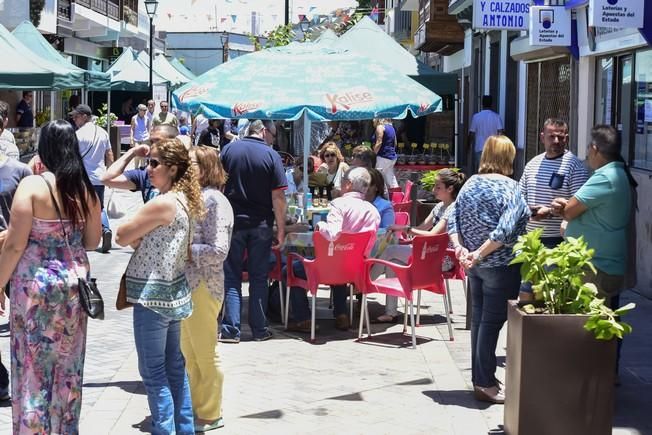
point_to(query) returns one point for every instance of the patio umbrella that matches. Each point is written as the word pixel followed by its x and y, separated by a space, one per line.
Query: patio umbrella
pixel 323 83
pixel 316 83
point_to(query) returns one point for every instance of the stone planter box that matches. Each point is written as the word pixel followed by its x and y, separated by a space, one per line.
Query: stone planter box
pixel 559 378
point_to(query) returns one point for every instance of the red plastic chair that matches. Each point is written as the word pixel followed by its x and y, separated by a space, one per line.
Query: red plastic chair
pixel 408 190
pixel 403 206
pixel 457 273
pixel 420 273
pixel 336 262
pixel 402 218
pixel 395 195
pixel 275 275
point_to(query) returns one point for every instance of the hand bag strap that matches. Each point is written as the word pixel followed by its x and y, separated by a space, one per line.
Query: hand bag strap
pixel 56 207
pixel 185 209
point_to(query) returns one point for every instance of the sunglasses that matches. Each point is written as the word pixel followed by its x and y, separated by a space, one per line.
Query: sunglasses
pixel 153 163
pixel 329 155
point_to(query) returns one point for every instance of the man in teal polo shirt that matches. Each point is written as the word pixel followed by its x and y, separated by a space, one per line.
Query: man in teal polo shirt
pixel 600 211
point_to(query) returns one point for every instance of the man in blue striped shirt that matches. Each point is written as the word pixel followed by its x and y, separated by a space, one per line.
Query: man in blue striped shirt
pixel 555 173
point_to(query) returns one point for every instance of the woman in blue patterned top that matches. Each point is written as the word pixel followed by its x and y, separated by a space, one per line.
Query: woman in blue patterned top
pixel 161 232
pixel 488 216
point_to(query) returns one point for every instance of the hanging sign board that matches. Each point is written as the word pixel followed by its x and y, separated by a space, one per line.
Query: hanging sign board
pixel 550 25
pixel 616 13
pixel 501 14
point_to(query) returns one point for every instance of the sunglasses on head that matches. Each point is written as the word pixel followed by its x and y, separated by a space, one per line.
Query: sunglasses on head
pixel 153 163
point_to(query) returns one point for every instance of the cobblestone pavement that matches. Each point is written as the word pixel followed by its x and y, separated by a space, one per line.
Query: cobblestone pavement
pixel 289 386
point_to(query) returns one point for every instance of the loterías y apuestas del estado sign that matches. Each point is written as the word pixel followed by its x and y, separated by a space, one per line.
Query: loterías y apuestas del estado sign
pixel 617 13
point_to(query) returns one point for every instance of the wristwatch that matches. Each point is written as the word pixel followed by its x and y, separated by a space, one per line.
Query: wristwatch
pixel 479 258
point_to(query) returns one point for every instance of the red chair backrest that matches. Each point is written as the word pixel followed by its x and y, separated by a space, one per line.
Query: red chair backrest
pixel 401 218
pixel 408 190
pixel 396 197
pixel 403 206
pixel 341 261
pixel 425 266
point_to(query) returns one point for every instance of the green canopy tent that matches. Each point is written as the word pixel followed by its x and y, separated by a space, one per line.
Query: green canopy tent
pixel 164 68
pixel 128 73
pixel 37 44
pixel 23 69
pixel 183 69
pixel 367 38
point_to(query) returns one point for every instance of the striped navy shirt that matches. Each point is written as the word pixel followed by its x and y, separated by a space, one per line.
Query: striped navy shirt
pixel 536 181
pixel 489 207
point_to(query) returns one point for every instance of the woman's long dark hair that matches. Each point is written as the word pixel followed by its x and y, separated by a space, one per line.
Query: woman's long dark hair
pixel 59 151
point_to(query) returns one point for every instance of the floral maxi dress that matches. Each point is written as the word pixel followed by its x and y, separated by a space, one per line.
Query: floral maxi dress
pixel 48 332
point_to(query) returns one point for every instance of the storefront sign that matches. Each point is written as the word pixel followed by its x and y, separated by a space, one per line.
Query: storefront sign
pixel 550 25
pixel 616 13
pixel 501 14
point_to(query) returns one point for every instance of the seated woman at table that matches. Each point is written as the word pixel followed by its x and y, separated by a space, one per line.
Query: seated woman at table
pixel 376 196
pixel 446 188
pixel 334 167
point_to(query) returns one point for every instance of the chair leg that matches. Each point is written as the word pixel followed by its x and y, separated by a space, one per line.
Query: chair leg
pixel 364 303
pixel 414 334
pixel 366 310
pixel 350 304
pixel 287 307
pixel 281 288
pixel 448 296
pixel 330 301
pixel 405 316
pixel 448 315
pixel 314 318
pixel 469 306
pixel 418 308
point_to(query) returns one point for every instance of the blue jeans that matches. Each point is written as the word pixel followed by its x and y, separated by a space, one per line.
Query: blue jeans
pixel 162 367
pixel 99 190
pixel 258 244
pixel 299 296
pixel 491 288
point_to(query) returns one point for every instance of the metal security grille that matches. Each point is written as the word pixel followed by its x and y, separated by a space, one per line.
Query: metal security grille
pixel 548 96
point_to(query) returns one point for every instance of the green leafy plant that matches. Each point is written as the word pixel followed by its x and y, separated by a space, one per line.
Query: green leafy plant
pixel 43 116
pixel 429 178
pixel 557 283
pixel 35 9
pixel 278 37
pixel 101 120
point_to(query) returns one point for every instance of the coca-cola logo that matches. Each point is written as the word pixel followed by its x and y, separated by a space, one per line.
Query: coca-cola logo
pixel 246 107
pixel 347 247
pixel 195 91
pixel 348 99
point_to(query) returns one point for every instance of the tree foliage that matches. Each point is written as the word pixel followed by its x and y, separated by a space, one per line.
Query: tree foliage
pixel 35 9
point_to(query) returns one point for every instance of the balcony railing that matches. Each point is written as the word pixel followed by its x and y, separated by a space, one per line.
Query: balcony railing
pixel 113 10
pixel 64 10
pixel 86 3
pixel 108 8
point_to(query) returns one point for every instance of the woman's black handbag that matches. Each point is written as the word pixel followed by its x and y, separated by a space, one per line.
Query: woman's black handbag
pixel 89 296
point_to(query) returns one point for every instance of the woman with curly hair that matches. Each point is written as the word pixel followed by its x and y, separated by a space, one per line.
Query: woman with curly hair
pixel 160 233
pixel 334 167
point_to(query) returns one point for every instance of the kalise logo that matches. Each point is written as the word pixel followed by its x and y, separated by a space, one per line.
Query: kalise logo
pixel 423 107
pixel 195 91
pixel 352 97
pixel 246 107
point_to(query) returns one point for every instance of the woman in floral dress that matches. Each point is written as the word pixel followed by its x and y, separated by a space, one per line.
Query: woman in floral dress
pixel 48 324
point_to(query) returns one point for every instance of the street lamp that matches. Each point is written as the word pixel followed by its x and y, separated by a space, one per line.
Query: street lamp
pixel 224 38
pixel 150 8
pixel 304 24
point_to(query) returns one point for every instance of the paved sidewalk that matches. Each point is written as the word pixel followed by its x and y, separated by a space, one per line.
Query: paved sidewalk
pixel 289 386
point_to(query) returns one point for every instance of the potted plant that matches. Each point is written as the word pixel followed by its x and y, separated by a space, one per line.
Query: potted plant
pixel 561 349
pixel 114 134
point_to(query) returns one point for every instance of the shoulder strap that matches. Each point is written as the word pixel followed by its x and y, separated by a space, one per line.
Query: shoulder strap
pixel 91 146
pixel 185 209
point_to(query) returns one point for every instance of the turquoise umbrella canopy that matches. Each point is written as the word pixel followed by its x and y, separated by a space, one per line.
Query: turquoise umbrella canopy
pixel 322 83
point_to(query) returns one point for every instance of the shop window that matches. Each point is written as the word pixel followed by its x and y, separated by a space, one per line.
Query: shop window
pixel 642 157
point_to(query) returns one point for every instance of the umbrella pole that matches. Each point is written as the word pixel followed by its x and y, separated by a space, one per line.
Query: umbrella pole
pixel 306 152
pixel 108 112
pixel 457 131
pixel 51 105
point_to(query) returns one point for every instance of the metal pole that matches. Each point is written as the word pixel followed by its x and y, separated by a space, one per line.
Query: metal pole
pixel 151 57
pixel 306 153
pixel 287 12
